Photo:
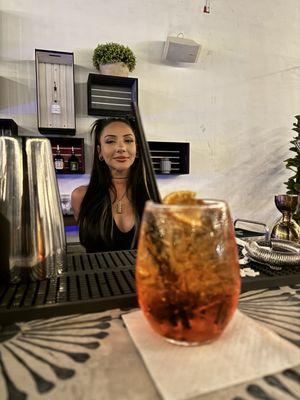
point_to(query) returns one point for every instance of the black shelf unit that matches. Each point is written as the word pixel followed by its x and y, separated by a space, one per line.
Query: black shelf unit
pixel 111 96
pixel 8 127
pixel 65 146
pixel 178 153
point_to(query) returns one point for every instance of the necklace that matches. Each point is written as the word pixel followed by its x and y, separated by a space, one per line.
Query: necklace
pixel 119 206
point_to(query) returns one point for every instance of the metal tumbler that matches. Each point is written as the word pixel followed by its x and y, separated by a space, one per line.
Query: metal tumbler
pixel 32 238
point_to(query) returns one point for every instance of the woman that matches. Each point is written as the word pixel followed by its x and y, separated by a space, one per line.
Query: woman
pixel 109 209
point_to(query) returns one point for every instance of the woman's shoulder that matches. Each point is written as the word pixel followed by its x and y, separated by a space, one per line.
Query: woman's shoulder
pixel 80 191
pixel 76 199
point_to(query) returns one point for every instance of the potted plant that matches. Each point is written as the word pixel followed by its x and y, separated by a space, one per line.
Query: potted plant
pixel 114 59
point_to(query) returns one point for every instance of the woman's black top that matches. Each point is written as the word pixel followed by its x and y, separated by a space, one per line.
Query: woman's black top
pixel 89 229
pixel 121 241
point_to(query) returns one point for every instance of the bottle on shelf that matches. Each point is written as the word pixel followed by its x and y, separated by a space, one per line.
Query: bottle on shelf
pixel 73 163
pixel 58 161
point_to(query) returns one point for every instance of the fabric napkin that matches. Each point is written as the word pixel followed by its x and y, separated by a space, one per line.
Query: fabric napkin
pixel 245 351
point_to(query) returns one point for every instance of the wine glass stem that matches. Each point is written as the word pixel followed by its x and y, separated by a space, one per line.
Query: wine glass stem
pixel 286 216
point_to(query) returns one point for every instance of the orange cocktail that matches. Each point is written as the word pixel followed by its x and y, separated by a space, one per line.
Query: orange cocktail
pixel 187 270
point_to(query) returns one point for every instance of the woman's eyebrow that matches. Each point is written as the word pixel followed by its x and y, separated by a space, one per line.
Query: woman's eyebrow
pixel 109 135
pixel 114 136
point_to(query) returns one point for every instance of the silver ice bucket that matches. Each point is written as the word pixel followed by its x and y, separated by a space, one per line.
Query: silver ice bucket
pixel 32 238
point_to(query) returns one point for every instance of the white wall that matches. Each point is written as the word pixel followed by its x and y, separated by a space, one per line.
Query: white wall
pixel 236 106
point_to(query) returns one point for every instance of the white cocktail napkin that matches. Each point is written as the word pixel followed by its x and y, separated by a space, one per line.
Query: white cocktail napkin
pixel 245 351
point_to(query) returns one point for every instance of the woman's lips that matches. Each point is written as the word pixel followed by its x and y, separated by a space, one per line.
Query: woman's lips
pixel 121 159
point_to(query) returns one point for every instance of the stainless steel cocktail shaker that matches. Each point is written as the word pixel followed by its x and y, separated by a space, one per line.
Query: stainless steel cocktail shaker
pixel 32 238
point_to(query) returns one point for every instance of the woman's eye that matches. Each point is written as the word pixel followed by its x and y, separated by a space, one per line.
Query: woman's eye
pixel 110 141
pixel 129 141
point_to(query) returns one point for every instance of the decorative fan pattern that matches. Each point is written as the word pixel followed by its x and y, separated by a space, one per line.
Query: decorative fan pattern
pixel 46 351
pixel 278 309
pixel 36 356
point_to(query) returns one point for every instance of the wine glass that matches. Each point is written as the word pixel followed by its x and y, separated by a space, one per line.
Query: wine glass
pixel 187 270
pixel 286 228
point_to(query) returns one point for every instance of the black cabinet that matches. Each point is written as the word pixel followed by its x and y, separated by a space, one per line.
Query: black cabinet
pixel 8 127
pixel 111 96
pixel 170 158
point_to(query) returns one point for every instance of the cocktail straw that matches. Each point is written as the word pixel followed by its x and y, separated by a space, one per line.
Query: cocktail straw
pixel 145 154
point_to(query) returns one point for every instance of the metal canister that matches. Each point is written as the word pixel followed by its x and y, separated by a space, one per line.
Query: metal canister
pixel 33 245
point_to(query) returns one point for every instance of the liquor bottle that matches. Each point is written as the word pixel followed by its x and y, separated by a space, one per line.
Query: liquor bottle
pixel 73 163
pixel 58 161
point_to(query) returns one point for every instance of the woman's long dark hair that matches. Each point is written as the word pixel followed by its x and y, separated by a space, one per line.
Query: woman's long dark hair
pixel 95 217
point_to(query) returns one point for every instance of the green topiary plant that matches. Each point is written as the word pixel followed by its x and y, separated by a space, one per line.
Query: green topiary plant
pixel 293 183
pixel 112 53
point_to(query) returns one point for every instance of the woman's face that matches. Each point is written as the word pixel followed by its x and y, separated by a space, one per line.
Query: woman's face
pixel 117 147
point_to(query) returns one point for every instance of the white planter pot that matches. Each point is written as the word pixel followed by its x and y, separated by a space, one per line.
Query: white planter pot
pixel 118 69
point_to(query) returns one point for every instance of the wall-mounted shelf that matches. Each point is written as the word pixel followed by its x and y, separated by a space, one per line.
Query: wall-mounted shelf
pixel 110 96
pixel 177 155
pixel 65 146
pixel 8 127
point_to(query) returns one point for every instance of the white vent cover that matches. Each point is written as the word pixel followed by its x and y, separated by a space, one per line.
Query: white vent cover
pixel 178 49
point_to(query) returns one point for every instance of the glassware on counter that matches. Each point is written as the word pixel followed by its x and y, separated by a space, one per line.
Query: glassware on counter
pixel 187 270
pixel 65 200
pixel 30 211
pixel 286 228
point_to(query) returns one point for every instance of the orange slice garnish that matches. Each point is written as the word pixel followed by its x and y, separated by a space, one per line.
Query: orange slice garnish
pixel 187 198
pixel 182 197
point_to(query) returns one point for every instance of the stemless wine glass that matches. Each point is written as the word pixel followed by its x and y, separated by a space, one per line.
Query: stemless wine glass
pixel 187 270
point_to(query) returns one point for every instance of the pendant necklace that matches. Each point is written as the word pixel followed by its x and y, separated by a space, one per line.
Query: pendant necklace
pixel 119 206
